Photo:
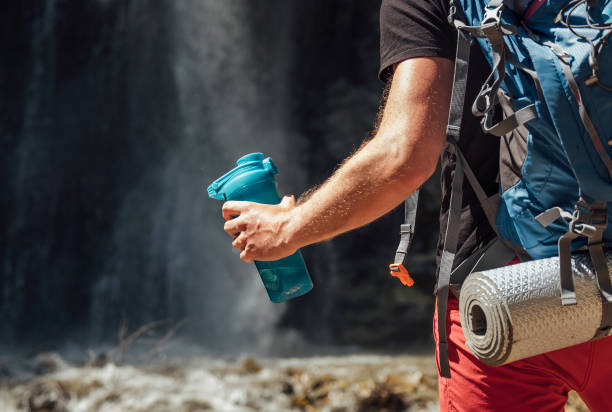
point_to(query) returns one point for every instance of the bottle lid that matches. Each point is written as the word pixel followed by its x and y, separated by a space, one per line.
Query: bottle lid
pixel 251 161
pixel 251 157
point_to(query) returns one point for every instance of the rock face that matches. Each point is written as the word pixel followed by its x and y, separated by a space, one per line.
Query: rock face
pixel 116 114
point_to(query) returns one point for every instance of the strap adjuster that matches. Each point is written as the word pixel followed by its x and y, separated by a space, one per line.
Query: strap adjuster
pixel 492 14
pixel 588 219
pixel 399 271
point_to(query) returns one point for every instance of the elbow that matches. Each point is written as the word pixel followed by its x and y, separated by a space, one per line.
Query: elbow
pixel 415 172
pixel 415 164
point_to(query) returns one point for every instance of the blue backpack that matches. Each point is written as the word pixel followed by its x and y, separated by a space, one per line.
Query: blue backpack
pixel 552 79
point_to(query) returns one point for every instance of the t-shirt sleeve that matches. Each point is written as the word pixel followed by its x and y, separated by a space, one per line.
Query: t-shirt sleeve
pixel 413 28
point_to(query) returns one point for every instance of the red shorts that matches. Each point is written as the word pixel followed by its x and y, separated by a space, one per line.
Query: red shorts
pixel 540 383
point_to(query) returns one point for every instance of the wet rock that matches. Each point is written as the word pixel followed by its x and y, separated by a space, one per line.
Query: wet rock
pixel 196 406
pixel 321 386
pixel 405 383
pixel 250 366
pixel 382 399
pixel 81 388
pixel 47 397
pixel 301 401
pixel 161 405
pixel 287 388
pixel 293 372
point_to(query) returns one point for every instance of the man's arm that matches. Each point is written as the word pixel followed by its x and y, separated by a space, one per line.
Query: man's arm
pixel 399 159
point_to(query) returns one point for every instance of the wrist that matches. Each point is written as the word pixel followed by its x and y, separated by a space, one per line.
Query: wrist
pixel 293 228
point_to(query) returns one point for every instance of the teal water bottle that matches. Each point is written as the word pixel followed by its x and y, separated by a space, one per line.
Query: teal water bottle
pixel 253 180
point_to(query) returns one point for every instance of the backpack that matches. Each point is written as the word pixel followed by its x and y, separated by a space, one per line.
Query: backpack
pixel 552 80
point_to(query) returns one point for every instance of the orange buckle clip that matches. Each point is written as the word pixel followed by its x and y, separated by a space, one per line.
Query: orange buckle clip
pixel 400 272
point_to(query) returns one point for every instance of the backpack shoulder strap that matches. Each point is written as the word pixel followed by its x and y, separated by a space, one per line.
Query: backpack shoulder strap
pixel 453 131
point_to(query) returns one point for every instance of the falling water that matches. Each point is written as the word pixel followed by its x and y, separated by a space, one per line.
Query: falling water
pixel 227 106
pixel 120 113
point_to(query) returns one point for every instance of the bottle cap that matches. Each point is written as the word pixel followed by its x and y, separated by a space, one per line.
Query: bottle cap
pixel 246 163
pixel 251 157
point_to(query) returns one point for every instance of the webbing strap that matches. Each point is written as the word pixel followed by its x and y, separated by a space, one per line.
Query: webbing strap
pixel 453 130
pixel 446 262
pixel 493 30
pixel 489 208
pixel 584 116
pixel 465 33
pixel 407 229
pixel 481 31
pixel 455 119
pixel 511 58
pixel 518 118
pixel 486 101
pixel 568 292
pixel 598 221
pixel 487 98
pixel 588 220
pixel 598 258
pixel 455 116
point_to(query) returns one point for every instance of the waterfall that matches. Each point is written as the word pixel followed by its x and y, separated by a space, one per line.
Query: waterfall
pixel 226 107
pixel 122 131
pixel 118 114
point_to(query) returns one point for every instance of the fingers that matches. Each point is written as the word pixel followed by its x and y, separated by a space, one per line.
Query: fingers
pixel 239 242
pixel 243 224
pixel 246 249
pixel 232 209
pixel 234 227
pixel 246 254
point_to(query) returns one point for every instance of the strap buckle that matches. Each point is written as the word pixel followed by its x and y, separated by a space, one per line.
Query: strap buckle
pixel 483 102
pixel 492 14
pixel 399 271
pixel 588 219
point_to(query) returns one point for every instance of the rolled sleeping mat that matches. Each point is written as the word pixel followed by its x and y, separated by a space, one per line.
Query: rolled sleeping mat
pixel 514 312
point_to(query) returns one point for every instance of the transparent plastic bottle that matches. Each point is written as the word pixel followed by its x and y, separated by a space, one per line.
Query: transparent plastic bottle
pixel 253 180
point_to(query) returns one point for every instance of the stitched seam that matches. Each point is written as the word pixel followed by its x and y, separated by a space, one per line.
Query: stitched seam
pixel 449 381
pixel 587 376
pixel 449 403
pixel 545 182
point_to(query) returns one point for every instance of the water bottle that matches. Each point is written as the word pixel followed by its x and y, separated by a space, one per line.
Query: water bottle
pixel 253 180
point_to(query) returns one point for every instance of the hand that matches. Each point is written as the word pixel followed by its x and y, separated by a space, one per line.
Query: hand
pixel 260 231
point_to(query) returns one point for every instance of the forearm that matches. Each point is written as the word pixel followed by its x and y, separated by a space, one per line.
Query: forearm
pixel 368 185
pixel 386 170
pixel 401 156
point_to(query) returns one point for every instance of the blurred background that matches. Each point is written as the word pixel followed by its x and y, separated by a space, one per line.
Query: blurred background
pixel 115 116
